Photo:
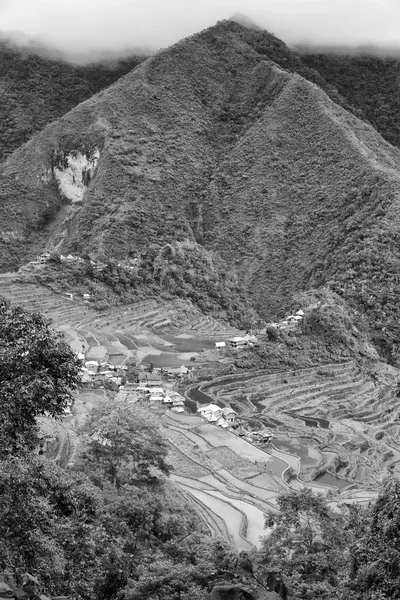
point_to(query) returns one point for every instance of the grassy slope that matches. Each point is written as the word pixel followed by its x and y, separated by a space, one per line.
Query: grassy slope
pixel 211 142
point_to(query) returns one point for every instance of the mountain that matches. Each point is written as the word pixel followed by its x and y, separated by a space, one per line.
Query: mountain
pixel 219 163
pixel 36 89
pixel 368 81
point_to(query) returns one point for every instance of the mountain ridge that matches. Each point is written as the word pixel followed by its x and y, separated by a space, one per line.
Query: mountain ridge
pixel 213 148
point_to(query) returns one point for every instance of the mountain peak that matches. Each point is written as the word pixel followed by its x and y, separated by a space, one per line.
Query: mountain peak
pixel 244 20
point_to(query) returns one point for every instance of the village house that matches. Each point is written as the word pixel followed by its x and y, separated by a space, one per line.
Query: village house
pixel 242 341
pixel 156 391
pixel 294 319
pixel 229 415
pixel 149 379
pixel 259 437
pixel 237 342
pixel 142 391
pixel 210 413
pixel 220 345
pixel 178 402
pixel 173 373
pixel 155 400
pixel 92 365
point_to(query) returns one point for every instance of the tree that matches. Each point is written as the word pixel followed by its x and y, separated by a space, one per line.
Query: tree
pixel 123 445
pixel 38 372
pixel 308 545
pixel 375 553
pixel 41 508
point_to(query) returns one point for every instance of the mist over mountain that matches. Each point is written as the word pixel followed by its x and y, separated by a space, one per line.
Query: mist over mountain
pixel 228 150
pixel 77 27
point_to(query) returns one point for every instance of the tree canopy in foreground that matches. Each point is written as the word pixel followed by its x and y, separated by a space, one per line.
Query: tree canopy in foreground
pixel 38 372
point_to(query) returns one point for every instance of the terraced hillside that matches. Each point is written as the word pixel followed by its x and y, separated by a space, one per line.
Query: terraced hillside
pixel 234 483
pixel 150 314
pixel 231 481
pixel 334 417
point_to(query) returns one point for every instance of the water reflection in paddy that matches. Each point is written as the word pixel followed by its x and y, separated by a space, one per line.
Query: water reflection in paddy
pixel 126 341
pixel 197 396
pixel 309 455
pixel 116 359
pixel 311 421
pixel 189 344
pixel 91 340
pixel 166 359
pixel 328 479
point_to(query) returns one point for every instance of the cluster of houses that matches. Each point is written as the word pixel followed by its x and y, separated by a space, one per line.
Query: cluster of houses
pixel 227 418
pixel 223 417
pixel 103 374
pixel 158 397
pixel 130 264
pixel 146 387
pixel 258 438
pixel 95 374
pixel 290 321
pixel 244 341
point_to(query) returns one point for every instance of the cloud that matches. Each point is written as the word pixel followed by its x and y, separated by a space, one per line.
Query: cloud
pixel 115 25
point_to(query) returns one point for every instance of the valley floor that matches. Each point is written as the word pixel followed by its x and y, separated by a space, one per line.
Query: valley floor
pixel 334 430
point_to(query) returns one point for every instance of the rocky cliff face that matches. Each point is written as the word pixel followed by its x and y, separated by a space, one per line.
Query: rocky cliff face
pixel 73 172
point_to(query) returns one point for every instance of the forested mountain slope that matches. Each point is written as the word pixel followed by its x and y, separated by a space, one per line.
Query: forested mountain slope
pixel 211 148
pixel 370 83
pixel 35 90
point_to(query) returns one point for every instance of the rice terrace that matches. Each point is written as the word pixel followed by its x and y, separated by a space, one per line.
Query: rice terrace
pixel 329 431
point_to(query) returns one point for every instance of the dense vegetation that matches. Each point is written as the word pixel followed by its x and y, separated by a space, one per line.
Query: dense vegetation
pixel 330 332
pixel 36 90
pixel 177 269
pixel 112 526
pixel 369 83
pixel 38 373
pixel 325 554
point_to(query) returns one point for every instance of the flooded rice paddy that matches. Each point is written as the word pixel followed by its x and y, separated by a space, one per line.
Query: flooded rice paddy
pixel 165 360
pixel 311 421
pixel 231 516
pixel 308 455
pixel 197 395
pixel 116 359
pixel 332 480
pixel 126 341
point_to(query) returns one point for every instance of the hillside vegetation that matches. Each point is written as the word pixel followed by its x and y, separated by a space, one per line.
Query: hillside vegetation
pixel 35 90
pixel 219 144
pixel 369 83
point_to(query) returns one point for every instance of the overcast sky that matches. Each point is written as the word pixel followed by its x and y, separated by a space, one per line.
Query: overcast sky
pixel 82 25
